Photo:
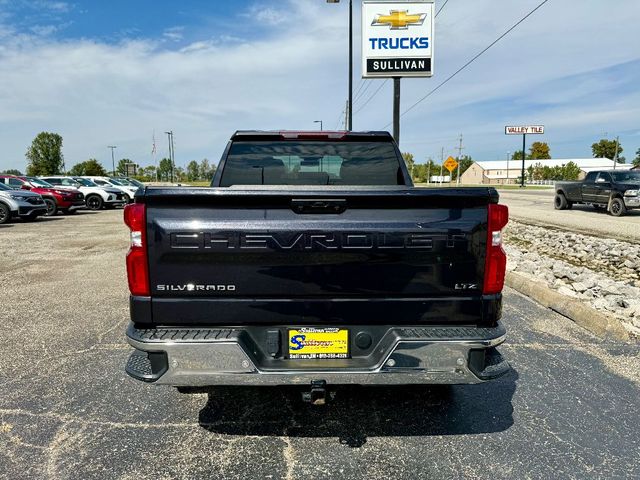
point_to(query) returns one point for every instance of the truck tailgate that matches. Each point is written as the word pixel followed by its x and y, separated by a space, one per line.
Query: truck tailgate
pixel 295 256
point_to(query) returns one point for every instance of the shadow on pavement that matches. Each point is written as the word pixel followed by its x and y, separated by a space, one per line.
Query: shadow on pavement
pixel 6 225
pixel 359 412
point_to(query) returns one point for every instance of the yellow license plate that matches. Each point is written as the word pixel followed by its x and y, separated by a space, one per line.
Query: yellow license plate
pixel 319 343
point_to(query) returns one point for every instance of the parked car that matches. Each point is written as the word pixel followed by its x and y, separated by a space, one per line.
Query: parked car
pixel 128 190
pixel 57 198
pixel 95 197
pixel 132 182
pixel 313 260
pixel 613 190
pixel 20 204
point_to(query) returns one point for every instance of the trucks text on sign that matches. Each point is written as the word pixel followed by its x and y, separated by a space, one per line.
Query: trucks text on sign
pixel 397 39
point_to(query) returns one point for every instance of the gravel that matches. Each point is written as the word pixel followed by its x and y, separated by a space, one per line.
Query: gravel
pixel 601 271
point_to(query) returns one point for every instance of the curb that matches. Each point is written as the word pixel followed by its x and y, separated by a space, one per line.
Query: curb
pixel 575 310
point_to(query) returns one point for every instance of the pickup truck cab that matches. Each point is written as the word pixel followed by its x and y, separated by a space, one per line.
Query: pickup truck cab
pixel 313 260
pixel 613 190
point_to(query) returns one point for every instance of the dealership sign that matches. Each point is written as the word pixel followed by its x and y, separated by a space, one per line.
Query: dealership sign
pixel 524 130
pixel 397 39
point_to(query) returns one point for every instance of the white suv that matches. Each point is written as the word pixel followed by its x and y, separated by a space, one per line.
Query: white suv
pixel 96 197
pixel 128 190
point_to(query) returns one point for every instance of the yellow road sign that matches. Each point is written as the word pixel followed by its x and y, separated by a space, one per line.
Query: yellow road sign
pixel 450 164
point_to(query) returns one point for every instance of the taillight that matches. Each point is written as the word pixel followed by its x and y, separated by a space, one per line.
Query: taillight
pixel 496 261
pixel 137 268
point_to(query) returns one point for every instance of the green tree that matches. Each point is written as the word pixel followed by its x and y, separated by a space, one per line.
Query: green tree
pixel 44 156
pixel 193 171
pixel 607 149
pixel 539 150
pixel 164 169
pixel 88 167
pixel 148 173
pixel 408 159
pixel 121 169
pixel 570 171
pixel 12 171
pixel 206 170
pixel 636 161
pixel 179 174
pixel 517 155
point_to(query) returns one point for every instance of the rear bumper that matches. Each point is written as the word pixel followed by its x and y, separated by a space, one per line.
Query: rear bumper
pixel 405 355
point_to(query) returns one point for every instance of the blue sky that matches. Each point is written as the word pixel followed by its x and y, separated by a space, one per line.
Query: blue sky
pixel 103 73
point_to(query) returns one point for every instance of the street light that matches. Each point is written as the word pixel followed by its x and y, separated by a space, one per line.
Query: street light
pixel 171 151
pixel 320 122
pixel 113 162
pixel 350 102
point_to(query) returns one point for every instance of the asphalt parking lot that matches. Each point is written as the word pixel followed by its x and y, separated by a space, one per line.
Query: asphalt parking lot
pixel 568 409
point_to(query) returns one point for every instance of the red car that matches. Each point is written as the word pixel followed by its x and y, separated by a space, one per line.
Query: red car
pixel 56 198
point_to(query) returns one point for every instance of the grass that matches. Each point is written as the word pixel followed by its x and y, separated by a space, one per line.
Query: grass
pixel 199 183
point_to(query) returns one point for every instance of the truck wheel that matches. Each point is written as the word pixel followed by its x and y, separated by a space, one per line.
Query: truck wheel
pixel 5 214
pixel 52 208
pixel 94 202
pixel 560 202
pixel 617 208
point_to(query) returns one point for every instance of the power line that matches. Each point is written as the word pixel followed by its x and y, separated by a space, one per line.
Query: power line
pixel 362 81
pixel 470 61
pixel 442 7
pixel 356 97
pixel 371 97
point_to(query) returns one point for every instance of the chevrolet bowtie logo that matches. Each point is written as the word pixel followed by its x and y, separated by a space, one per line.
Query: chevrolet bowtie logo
pixel 399 19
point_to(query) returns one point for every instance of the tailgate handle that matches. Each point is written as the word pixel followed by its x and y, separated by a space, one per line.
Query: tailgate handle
pixel 310 205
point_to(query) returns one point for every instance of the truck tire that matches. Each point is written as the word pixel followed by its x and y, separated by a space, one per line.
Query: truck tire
pixel 52 207
pixel 94 202
pixel 617 208
pixel 560 202
pixel 5 213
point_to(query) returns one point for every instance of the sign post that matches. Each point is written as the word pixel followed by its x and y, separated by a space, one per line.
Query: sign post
pixel 523 130
pixel 450 164
pixel 397 41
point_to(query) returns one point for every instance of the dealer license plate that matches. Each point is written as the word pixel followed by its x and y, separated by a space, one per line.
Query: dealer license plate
pixel 319 343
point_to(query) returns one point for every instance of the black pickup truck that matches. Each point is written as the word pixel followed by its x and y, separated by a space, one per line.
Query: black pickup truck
pixel 313 260
pixel 613 190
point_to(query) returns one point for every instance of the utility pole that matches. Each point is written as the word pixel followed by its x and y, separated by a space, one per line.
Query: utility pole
pixel 396 109
pixel 429 171
pixel 524 155
pixel 508 155
pixel 346 115
pixel 460 148
pixel 615 155
pixel 171 153
pixel 350 124
pixel 441 164
pixel 113 161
